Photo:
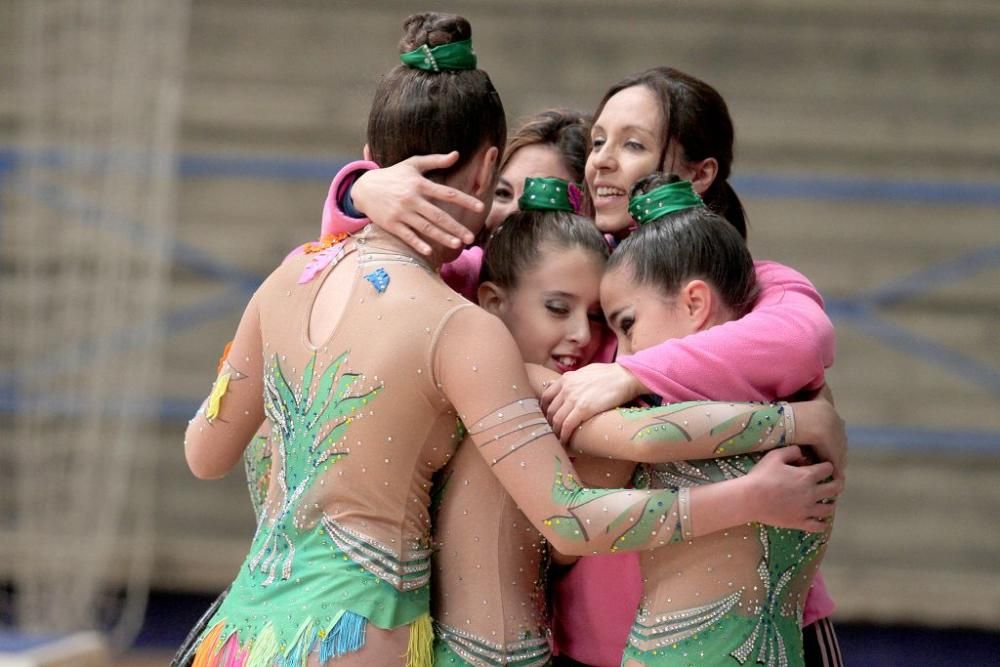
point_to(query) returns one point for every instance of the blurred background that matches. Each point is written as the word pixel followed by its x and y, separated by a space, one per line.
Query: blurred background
pixel 158 159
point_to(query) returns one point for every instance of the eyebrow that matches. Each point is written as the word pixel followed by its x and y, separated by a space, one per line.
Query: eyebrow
pixel 627 128
pixel 565 295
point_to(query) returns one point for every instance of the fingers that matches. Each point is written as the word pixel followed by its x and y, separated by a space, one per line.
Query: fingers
pixel 444 193
pixel 552 397
pixel 425 163
pixel 819 471
pixel 829 490
pixel 407 236
pixel 570 424
pixel 559 418
pixel 436 225
pixel 788 455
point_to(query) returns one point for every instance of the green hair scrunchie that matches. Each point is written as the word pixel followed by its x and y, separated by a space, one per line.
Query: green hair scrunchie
pixel 443 58
pixel 659 201
pixel 550 194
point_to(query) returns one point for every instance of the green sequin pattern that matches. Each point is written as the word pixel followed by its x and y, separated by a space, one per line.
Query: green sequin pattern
pixel 316 570
pixel 717 633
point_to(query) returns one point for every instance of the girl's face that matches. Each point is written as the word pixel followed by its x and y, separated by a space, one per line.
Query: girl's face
pixel 626 145
pixel 554 313
pixel 640 315
pixel 535 161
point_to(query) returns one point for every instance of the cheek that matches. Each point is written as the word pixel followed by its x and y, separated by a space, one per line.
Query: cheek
pixel 639 166
pixel 499 213
pixel 534 335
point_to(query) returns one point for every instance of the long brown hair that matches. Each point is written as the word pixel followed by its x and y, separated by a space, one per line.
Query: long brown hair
pixel 565 130
pixel 697 118
pixel 415 112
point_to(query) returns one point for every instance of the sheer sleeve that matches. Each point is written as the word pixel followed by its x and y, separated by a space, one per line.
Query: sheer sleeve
pixel 234 410
pixel 480 371
pixel 685 431
pixel 782 346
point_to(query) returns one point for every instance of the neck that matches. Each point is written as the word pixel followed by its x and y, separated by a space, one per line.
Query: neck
pixel 374 237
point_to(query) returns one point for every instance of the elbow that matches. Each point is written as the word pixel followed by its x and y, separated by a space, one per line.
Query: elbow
pixel 201 467
pixel 568 548
pixel 201 464
pixel 808 354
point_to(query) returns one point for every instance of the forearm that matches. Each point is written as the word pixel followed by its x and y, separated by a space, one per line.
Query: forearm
pixel 684 431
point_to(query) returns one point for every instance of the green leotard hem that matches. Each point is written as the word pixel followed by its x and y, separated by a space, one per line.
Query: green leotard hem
pixel 445 656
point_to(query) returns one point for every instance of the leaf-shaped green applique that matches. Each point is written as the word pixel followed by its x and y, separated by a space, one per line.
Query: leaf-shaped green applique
pixel 307 449
pixel 566 491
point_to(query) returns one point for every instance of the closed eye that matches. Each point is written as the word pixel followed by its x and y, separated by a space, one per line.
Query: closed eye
pixel 557 309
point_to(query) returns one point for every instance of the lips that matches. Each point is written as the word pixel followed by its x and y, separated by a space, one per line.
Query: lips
pixel 605 195
pixel 565 363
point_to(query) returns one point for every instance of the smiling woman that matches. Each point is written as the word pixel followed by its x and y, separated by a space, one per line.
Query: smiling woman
pixel 625 141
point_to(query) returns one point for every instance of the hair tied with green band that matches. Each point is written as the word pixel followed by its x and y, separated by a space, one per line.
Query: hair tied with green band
pixel 660 201
pixel 442 58
pixel 550 194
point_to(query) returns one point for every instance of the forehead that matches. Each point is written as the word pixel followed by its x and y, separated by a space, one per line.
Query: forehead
pixel 636 106
pixel 617 289
pixel 570 270
pixel 535 160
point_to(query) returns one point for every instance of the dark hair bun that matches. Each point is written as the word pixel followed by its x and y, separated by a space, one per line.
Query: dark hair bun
pixel 651 182
pixel 433 29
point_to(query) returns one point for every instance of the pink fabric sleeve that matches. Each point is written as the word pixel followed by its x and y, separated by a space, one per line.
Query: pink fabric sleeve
pixel 462 274
pixel 787 330
pixel 335 220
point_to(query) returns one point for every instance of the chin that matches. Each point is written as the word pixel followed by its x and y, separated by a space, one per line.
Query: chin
pixel 612 225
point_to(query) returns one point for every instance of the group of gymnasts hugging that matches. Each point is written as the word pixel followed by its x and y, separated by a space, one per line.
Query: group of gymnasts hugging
pixel 527 400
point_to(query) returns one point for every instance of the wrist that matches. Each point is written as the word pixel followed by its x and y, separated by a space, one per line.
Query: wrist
pixel 356 192
pixel 789 422
pixel 631 387
pixel 748 505
pixel 348 205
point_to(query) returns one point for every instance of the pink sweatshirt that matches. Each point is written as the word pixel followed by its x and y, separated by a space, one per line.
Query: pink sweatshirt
pixel 782 346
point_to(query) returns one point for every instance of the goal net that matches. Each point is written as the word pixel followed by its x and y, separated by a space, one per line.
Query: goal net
pixel 85 258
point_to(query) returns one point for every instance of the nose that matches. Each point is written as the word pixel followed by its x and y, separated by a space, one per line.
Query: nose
pixel 579 330
pixel 624 345
pixel 603 158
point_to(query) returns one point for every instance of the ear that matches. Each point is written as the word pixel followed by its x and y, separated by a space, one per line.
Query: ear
pixel 367 152
pixel 704 174
pixel 485 173
pixel 697 302
pixel 492 298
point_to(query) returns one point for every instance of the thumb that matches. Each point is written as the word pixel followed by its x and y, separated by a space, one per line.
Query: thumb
pixel 425 163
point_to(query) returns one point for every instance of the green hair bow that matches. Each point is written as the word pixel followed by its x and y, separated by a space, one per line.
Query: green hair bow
pixel 659 201
pixel 443 58
pixel 550 194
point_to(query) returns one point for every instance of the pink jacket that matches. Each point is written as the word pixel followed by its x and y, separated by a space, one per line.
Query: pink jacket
pixel 782 346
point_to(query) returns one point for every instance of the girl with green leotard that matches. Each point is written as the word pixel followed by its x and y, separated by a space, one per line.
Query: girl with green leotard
pixel 366 363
